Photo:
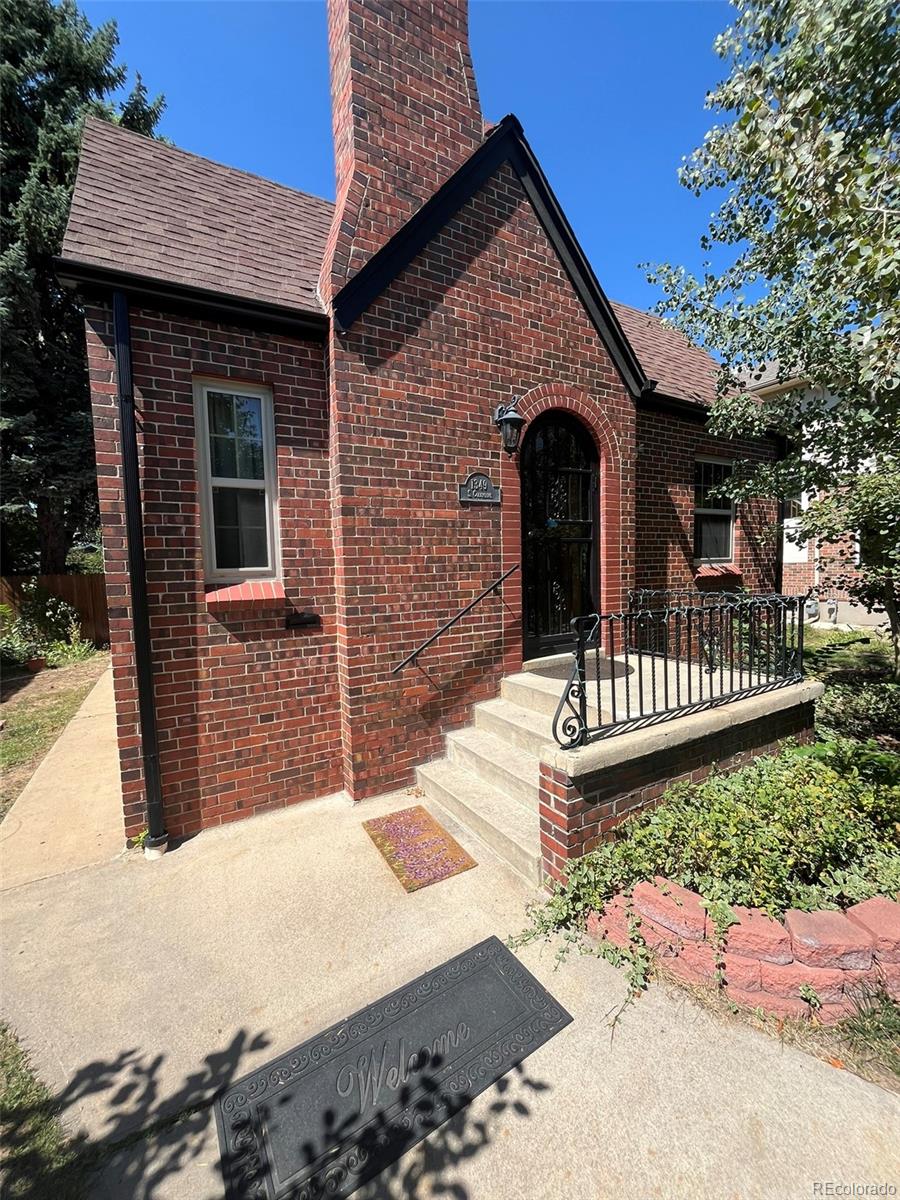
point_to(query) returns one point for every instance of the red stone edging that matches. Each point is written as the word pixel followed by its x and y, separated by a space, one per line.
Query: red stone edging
pixel 765 962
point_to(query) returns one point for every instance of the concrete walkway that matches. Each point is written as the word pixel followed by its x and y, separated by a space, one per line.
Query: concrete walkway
pixel 69 814
pixel 140 988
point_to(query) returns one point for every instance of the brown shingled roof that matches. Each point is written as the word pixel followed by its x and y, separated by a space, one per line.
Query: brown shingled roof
pixel 152 210
pixel 681 369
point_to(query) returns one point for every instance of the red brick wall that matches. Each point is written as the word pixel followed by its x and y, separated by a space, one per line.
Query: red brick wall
pixel 798 578
pixel 837 567
pixel 576 814
pixel 485 312
pixel 667 447
pixel 248 710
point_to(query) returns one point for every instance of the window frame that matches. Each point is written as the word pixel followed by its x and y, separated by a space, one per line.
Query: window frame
pixel 730 512
pixel 203 385
pixel 794 553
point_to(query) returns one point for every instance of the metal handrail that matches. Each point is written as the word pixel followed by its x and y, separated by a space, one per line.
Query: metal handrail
pixel 462 612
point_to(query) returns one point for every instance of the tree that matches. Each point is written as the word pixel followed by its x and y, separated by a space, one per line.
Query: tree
pixel 809 225
pixel 56 70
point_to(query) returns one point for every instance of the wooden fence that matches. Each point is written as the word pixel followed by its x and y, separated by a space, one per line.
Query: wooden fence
pixel 86 594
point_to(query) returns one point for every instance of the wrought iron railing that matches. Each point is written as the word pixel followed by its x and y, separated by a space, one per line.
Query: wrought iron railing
pixel 648 665
pixel 492 587
pixel 640 599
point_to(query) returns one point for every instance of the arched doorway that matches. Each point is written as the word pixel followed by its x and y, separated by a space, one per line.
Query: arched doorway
pixel 558 471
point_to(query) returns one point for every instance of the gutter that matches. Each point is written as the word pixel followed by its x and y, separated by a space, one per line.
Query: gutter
pixel 776 387
pixel 654 401
pixel 194 301
pixel 157 840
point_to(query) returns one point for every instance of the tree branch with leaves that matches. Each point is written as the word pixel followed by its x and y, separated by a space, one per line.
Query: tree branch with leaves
pixel 805 167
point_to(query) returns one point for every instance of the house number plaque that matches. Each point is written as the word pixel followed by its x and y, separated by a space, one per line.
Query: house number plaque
pixel 478 489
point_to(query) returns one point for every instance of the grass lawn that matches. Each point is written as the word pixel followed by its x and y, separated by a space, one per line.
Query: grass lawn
pixel 36 1158
pixel 860 700
pixel 35 709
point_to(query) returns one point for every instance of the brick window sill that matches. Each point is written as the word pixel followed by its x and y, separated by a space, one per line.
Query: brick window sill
pixel 255 594
pixel 710 572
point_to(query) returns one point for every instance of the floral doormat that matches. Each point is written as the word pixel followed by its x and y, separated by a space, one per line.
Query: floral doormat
pixel 417 849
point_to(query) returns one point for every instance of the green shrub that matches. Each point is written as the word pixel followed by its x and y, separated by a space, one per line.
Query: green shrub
pixel 861 709
pixel 866 759
pixel 17 643
pixel 85 560
pixel 793 830
pixel 45 627
pixel 44 617
pixel 74 649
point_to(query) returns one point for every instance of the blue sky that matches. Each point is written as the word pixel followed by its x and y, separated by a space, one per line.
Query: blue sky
pixel 610 93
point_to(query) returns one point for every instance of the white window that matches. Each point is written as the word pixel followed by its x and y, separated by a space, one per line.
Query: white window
pixel 713 513
pixel 236 447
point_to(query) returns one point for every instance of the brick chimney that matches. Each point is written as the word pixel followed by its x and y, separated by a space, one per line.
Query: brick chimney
pixel 405 115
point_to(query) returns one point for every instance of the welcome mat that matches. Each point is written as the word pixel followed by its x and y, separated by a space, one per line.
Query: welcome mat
pixel 417 849
pixel 338 1109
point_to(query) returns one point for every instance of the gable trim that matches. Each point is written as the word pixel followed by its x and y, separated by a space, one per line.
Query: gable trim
pixel 506 143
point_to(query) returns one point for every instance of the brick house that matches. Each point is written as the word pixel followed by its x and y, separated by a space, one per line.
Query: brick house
pixel 288 516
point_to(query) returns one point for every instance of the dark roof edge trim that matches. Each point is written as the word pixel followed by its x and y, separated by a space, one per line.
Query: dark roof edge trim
pixel 199 301
pixel 691 410
pixel 386 264
pixel 505 143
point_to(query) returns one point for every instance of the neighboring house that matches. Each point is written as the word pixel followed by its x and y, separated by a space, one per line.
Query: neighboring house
pixel 315 384
pixel 822 571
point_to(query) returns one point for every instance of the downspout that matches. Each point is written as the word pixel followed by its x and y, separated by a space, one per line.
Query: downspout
pixel 157 839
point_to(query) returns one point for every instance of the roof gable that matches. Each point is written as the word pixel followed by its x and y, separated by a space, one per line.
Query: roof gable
pixel 153 211
pixel 505 144
pixel 171 224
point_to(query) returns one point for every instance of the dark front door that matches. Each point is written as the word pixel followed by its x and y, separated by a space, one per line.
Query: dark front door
pixel 558 464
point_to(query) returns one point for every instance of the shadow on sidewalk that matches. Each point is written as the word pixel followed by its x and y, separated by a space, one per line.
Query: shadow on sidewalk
pixel 150 1139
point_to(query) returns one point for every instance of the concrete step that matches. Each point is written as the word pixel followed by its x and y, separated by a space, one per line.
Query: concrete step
pixel 505 767
pixel 541 694
pixel 514 725
pixel 508 827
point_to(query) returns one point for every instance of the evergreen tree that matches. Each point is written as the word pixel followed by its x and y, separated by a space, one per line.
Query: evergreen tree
pixel 56 69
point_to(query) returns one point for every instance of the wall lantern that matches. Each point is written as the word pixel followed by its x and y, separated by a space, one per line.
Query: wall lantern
pixel 510 423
